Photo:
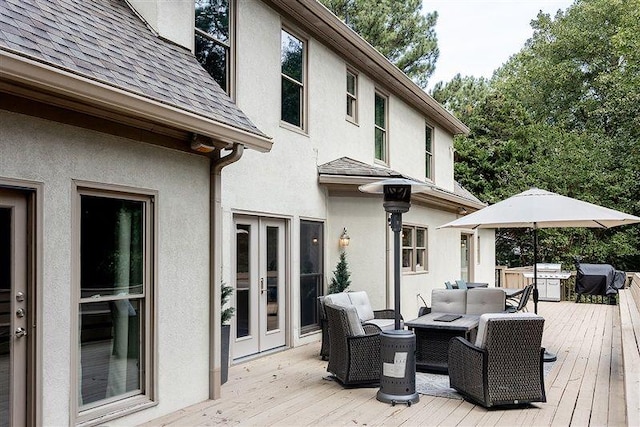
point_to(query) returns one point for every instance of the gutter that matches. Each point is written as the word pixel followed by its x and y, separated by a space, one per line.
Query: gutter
pixel 34 74
pixel 215 266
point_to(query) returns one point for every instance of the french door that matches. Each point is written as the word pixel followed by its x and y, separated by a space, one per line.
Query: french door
pixel 260 285
pixel 14 309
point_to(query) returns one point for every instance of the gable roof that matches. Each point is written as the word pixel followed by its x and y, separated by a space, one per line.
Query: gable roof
pixel 106 43
pixel 347 173
pixel 357 52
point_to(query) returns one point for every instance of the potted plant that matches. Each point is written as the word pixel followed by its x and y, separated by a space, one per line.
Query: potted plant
pixel 225 315
pixel 340 281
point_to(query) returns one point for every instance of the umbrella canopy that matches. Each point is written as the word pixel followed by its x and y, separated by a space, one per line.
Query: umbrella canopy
pixel 537 208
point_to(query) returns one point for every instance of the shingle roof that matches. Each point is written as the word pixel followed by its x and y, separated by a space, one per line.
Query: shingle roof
pixel 104 40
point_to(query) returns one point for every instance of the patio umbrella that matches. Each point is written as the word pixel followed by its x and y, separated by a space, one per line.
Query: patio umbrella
pixel 537 208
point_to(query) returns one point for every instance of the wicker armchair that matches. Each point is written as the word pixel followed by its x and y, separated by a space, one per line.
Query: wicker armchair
pixel 355 348
pixel 505 365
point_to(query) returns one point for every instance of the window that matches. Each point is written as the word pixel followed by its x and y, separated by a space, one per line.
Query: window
pixel 292 62
pixel 115 296
pixel 213 39
pixel 414 248
pixel 352 96
pixel 381 127
pixel 311 273
pixel 428 152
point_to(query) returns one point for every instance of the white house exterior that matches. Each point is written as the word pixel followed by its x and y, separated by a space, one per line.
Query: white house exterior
pixel 132 186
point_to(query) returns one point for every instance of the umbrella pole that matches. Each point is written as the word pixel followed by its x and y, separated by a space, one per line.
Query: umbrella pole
pixel 547 357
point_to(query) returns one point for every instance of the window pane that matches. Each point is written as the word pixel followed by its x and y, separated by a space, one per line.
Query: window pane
pixel 421 259
pixel 380 118
pixel 311 273
pixel 111 247
pixel 291 102
pixel 407 254
pixel 427 165
pixel 351 103
pixel 243 274
pixel 273 278
pixel 212 17
pixel 380 155
pixel 292 55
pixel 407 236
pixel 351 84
pixel 214 58
pixel 111 354
pixel 420 237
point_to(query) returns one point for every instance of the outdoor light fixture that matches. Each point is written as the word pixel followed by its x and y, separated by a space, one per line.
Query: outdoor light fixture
pixel 201 144
pixel 344 239
pixel 462 211
pixel 398 380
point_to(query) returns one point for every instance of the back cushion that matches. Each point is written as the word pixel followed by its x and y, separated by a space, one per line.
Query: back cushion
pixel 485 300
pixel 360 300
pixel 340 299
pixel 449 301
pixel 355 326
pixel 481 336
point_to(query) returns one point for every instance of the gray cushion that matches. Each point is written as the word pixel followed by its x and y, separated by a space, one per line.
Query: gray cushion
pixel 481 336
pixel 355 326
pixel 341 299
pixel 449 301
pixel 360 300
pixel 385 324
pixel 485 300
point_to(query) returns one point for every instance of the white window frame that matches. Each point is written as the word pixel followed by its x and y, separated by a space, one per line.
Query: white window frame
pixel 384 130
pixel 352 98
pixel 303 84
pixel 127 403
pixel 414 248
pixel 429 151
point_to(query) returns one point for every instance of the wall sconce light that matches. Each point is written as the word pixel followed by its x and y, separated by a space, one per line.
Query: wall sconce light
pixel 462 211
pixel 344 239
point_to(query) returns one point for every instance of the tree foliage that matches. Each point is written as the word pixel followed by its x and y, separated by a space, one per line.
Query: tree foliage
pixel 562 114
pixel 398 29
pixel 340 281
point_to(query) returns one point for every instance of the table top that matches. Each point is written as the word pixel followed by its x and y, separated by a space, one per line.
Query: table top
pixel 465 323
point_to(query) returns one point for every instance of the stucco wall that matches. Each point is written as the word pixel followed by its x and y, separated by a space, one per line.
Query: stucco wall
pixel 54 154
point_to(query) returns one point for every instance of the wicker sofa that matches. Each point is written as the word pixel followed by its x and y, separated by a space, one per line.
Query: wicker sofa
pixel 504 366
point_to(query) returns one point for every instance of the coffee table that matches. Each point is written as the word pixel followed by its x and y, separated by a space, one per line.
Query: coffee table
pixel 433 336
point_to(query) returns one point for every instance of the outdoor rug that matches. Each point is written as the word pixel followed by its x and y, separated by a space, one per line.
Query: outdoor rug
pixel 438 385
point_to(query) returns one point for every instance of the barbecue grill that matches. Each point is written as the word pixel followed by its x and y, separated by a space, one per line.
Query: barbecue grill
pixel 598 279
pixel 549 276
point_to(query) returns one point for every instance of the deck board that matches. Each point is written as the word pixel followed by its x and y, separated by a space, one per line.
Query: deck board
pixel 585 386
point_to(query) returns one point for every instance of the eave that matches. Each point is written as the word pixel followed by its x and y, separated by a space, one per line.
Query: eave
pixel 330 30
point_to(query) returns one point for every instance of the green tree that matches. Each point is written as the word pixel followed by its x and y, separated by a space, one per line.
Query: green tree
pixel 340 280
pixel 398 29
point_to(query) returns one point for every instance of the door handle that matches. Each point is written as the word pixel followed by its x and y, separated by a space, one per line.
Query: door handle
pixel 21 332
pixel 262 285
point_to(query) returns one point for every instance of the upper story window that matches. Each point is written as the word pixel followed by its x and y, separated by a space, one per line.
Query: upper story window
pixel 293 79
pixel 352 96
pixel 380 127
pixel 414 248
pixel 428 152
pixel 213 32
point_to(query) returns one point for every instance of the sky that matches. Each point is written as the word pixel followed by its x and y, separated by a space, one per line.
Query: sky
pixel 476 37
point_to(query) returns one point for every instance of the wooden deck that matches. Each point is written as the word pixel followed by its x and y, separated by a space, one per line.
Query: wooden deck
pixel 584 388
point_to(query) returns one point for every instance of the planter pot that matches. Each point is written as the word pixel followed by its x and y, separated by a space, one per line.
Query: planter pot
pixel 224 357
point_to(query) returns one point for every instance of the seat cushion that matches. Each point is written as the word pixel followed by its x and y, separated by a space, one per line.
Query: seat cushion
pixel 485 300
pixel 449 301
pixel 360 300
pixel 340 299
pixel 481 336
pixel 385 324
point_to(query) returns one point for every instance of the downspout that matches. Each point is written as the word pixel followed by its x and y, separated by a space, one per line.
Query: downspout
pixel 215 265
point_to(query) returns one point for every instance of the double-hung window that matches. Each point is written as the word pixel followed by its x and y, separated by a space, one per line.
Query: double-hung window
pixel 414 248
pixel 352 97
pixel 213 32
pixel 428 152
pixel 292 59
pixel 114 293
pixel 380 125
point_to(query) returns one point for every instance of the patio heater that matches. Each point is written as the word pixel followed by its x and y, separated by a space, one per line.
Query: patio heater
pixel 398 347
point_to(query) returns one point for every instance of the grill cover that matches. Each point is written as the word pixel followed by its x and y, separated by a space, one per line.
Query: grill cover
pixel 598 279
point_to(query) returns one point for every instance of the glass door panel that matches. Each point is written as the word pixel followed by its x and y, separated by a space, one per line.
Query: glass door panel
pixel 243 290
pixel 273 278
pixel 5 313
